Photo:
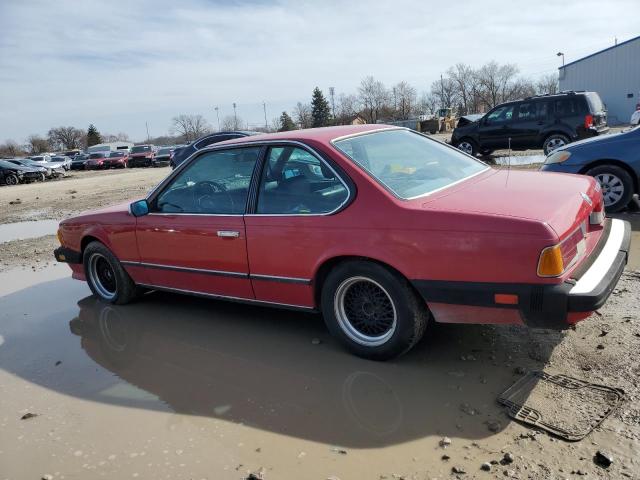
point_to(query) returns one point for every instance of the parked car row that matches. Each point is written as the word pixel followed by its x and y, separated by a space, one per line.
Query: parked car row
pixel 19 170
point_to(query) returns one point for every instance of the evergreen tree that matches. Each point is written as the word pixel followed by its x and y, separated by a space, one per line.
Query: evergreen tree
pixel 93 136
pixel 320 111
pixel 286 123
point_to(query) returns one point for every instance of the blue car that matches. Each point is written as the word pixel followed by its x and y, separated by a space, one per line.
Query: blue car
pixel 614 160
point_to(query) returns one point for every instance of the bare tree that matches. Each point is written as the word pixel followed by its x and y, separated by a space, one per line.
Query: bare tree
pixel 302 114
pixel 231 122
pixel 37 144
pixel 444 90
pixel 190 127
pixel 10 148
pixel 65 137
pixel 497 83
pixel 465 80
pixel 427 104
pixel 346 109
pixel 547 84
pixel 405 100
pixel 373 97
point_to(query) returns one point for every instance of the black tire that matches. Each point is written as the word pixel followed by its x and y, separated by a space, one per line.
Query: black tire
pixel 611 178
pixel 11 179
pixel 105 276
pixel 359 286
pixel 553 141
pixel 467 146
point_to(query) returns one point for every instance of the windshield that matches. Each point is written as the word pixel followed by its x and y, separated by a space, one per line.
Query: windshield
pixel 37 159
pixel 96 155
pixel 116 154
pixel 164 151
pixel 141 148
pixel 407 163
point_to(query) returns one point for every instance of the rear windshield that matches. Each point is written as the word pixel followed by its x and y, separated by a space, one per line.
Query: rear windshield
pixel 116 154
pixel 96 155
pixel 595 102
pixel 140 148
pixel 407 163
pixel 164 151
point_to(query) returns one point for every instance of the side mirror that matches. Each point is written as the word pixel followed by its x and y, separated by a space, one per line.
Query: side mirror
pixel 139 208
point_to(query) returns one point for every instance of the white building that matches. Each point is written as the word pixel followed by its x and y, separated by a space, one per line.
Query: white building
pixel 110 147
pixel 614 73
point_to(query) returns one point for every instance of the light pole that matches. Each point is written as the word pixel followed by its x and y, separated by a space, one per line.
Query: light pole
pixel 560 54
pixel 217 116
pixel 235 117
pixel 264 105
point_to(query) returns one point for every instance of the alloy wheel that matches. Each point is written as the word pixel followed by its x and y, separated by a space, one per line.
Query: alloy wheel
pixel 466 147
pixel 555 143
pixel 365 311
pixel 102 276
pixel 612 188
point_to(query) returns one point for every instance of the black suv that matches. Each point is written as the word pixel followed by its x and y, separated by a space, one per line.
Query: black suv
pixel 542 121
pixel 181 154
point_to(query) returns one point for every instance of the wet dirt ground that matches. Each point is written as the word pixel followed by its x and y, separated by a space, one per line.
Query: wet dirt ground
pixel 178 387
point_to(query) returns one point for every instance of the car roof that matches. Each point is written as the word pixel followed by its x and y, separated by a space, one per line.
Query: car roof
pixel 323 134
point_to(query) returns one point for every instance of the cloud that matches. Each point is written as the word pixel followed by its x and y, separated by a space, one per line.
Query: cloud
pixel 120 64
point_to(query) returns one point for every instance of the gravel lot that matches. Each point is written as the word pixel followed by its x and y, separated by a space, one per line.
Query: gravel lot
pixel 176 387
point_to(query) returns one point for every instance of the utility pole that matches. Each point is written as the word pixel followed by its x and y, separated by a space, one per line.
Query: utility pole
pixel 235 117
pixel 332 92
pixel 264 105
pixel 218 116
pixel 560 54
pixel 147 125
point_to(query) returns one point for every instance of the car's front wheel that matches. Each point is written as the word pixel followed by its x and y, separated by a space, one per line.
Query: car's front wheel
pixel 106 277
pixel 553 142
pixel 11 179
pixel 372 310
pixel 467 146
pixel 616 185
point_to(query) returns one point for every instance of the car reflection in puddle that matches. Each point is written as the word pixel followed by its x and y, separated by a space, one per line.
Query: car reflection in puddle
pixel 253 366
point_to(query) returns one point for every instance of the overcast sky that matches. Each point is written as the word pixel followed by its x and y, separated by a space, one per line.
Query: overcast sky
pixel 119 64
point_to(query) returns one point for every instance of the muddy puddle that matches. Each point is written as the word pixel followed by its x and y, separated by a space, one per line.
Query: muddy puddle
pixel 180 387
pixel 28 229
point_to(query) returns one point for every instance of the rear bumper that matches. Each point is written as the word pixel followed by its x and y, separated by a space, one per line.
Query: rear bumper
pixel 546 305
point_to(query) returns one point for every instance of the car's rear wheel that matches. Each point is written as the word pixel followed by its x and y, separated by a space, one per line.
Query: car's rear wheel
pixel 372 310
pixel 11 179
pixel 553 142
pixel 107 279
pixel 467 146
pixel 616 185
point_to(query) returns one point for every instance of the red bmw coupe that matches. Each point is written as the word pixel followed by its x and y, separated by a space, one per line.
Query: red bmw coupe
pixel 379 228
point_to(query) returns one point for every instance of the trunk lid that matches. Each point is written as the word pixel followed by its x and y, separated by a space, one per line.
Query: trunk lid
pixel 562 201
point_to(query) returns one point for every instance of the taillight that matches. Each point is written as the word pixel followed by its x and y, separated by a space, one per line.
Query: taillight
pixel 588 121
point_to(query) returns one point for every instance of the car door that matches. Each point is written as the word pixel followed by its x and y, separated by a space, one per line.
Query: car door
pixel 295 218
pixel 193 238
pixel 494 130
pixel 527 123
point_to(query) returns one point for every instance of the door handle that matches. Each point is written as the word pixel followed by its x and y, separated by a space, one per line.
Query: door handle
pixel 228 233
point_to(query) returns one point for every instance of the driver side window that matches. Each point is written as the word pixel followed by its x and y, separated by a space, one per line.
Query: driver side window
pixel 214 183
pixel 500 115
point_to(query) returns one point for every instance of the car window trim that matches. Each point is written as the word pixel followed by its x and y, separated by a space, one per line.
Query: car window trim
pixel 250 208
pixel 339 173
pixel 162 186
pixel 382 184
